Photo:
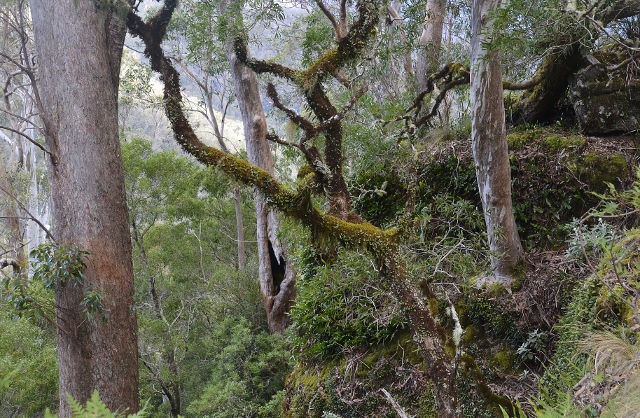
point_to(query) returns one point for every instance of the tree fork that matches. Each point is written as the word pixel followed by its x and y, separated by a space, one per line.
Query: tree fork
pixel 432 338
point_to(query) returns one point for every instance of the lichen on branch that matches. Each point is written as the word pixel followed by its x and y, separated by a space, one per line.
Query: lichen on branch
pixel 432 337
pixel 293 203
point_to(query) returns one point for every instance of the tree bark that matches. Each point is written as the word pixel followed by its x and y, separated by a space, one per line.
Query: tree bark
pixel 430 41
pixel 490 151
pixel 277 276
pixel 79 46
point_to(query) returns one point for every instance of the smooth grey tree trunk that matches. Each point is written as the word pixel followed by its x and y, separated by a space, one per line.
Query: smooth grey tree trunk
pixel 79 47
pixel 277 276
pixel 490 152
pixel 430 41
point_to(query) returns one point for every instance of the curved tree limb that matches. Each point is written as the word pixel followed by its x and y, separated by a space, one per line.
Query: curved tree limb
pixel 523 85
pixel 454 74
pixel 433 339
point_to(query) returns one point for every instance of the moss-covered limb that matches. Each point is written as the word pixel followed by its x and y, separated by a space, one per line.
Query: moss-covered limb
pixel 309 81
pixel 305 145
pixel 454 74
pixel 294 204
pixel 294 117
pixel 262 67
pixel 349 48
pixel 382 244
pixel 497 401
pixel 435 343
pixel 527 84
pixel 458 81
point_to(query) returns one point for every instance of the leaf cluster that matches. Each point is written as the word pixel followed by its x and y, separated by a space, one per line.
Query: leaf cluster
pixel 342 305
pixel 247 371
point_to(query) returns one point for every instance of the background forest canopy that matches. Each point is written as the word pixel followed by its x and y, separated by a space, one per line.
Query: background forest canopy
pixel 374 209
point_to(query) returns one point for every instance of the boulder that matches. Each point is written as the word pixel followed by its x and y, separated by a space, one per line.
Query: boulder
pixel 606 102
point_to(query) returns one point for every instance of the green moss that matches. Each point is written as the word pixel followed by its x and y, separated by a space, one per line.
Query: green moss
pixel 504 361
pixel 472 334
pixel 478 309
pixel 401 345
pixel 496 290
pixel 610 305
pixel 596 170
pixel 517 140
pixel 558 143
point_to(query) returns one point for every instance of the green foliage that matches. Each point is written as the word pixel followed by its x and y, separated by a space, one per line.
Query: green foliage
pixel 534 345
pixel 28 367
pixel 247 372
pixel 94 408
pixel 545 189
pixel 350 386
pixel 53 265
pixel 590 240
pixel 319 37
pixel 343 304
pixel 200 319
pixel 479 309
pixel 605 301
pixel 135 77
pixel 58 264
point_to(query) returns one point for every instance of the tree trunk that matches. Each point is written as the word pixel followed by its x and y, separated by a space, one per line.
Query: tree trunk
pixel 489 144
pixel 538 104
pixel 277 276
pixel 79 46
pixel 430 41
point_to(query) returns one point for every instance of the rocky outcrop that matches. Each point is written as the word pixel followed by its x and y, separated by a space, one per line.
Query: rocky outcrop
pixel 606 99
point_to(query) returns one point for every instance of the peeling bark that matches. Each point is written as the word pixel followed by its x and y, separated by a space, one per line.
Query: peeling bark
pixel 278 296
pixel 490 151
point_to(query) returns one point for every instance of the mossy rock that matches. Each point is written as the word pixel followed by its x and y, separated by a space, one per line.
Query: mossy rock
pixel 597 170
pixel 605 103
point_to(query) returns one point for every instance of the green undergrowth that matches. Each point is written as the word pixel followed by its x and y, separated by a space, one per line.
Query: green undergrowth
pixel 593 368
pixel 353 384
pixel 553 176
pixel 351 337
pixel 342 304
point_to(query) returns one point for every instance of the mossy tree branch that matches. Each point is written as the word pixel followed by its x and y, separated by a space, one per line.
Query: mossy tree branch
pixel 349 47
pixel 434 340
pixel 295 204
pixel 453 74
